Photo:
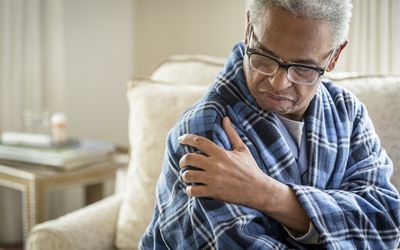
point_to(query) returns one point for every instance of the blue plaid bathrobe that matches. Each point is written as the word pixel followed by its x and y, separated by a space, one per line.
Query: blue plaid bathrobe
pixel 346 191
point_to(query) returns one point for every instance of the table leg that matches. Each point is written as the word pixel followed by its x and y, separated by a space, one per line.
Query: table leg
pixel 41 205
pixel 93 193
pixel 28 207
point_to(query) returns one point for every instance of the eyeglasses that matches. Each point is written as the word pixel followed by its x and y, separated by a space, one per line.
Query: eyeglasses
pixel 296 73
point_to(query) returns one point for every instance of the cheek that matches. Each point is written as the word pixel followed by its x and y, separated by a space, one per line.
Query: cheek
pixel 255 80
pixel 305 93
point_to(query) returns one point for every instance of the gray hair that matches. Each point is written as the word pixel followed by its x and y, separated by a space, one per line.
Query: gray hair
pixel 336 12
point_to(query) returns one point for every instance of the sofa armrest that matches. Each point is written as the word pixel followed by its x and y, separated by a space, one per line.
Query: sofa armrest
pixel 92 227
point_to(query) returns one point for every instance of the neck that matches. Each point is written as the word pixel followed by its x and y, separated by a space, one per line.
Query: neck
pixel 294 117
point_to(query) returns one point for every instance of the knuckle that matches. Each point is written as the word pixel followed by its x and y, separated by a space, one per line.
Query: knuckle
pixel 188 157
pixel 198 140
pixel 189 176
pixel 242 147
pixel 225 154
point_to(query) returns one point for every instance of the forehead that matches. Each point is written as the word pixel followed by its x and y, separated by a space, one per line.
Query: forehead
pixel 293 38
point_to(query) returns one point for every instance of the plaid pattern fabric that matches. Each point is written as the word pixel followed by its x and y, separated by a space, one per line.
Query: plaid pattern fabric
pixel 346 191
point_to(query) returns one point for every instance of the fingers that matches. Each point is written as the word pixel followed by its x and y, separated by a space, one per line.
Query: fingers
pixel 194 160
pixel 198 191
pixel 194 176
pixel 208 147
pixel 201 143
pixel 233 136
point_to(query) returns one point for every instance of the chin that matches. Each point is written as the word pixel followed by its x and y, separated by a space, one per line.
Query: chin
pixel 278 109
pixel 293 113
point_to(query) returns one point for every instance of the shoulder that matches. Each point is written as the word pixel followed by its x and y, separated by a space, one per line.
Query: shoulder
pixel 203 119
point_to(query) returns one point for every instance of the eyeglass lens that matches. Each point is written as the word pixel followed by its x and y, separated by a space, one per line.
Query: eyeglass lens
pixel 298 74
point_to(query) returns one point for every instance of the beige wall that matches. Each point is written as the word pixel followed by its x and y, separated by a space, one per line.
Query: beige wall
pixel 94 46
pixel 88 60
pixel 98 62
pixel 163 28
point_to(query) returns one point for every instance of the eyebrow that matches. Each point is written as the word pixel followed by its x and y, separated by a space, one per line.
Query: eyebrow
pixel 263 50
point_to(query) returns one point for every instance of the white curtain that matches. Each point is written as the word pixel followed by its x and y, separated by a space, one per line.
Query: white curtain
pixel 20 89
pixel 21 85
pixel 374 38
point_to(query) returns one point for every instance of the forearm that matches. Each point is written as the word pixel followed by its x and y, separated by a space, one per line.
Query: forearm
pixel 281 204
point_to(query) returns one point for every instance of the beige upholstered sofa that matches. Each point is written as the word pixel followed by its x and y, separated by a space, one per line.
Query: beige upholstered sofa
pixel 118 222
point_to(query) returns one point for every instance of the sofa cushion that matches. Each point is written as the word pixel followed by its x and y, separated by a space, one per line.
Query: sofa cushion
pixel 154 109
pixel 188 69
pixel 381 96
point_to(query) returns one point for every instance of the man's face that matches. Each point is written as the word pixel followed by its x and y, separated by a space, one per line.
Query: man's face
pixel 293 40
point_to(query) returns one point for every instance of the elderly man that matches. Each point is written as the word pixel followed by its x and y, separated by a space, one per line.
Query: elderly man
pixel 272 157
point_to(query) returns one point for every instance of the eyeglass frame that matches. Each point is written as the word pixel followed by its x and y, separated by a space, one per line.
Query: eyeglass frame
pixel 281 64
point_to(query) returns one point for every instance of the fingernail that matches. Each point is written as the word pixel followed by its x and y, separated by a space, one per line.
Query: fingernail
pixel 180 138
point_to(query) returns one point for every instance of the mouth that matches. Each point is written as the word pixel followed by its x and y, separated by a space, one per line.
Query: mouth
pixel 278 98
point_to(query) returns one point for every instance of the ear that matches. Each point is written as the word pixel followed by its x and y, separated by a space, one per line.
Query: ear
pixel 335 58
pixel 246 37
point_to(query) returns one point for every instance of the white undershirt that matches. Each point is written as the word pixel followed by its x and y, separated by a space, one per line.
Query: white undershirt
pixel 295 128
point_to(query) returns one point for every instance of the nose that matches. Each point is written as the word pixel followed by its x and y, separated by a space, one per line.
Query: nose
pixel 279 81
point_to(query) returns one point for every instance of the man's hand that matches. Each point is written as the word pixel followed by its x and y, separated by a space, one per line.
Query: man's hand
pixel 231 176
pixel 234 177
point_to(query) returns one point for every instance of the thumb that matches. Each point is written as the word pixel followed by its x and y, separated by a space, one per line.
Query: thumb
pixel 234 139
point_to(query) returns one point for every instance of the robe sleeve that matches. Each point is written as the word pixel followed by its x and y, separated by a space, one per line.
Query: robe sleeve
pixel 182 222
pixel 364 213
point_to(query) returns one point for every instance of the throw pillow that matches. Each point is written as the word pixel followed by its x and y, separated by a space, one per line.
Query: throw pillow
pixel 154 109
pixel 189 69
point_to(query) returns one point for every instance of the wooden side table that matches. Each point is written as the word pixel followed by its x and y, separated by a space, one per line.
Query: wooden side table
pixel 36 181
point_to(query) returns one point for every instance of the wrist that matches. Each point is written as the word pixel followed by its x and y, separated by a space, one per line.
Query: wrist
pixel 269 193
pixel 277 193
pixel 278 201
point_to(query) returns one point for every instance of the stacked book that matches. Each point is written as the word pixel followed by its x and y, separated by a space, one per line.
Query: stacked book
pixel 74 154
